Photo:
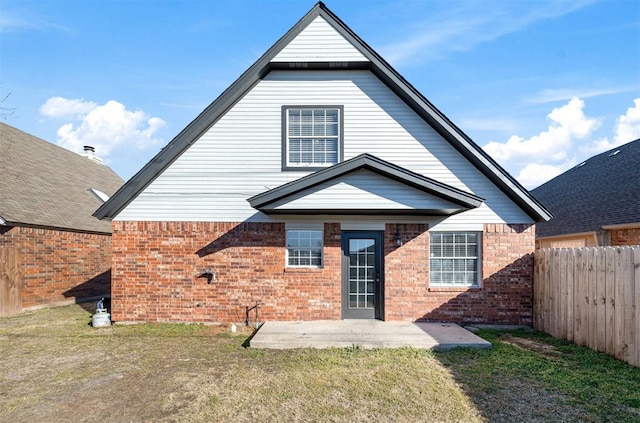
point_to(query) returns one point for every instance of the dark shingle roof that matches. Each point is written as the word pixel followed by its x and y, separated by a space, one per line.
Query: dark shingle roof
pixel 603 190
pixel 44 185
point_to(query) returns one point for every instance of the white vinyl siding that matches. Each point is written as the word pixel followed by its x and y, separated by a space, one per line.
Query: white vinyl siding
pixel 319 42
pixel 304 248
pixel 233 161
pixel 454 259
pixel 365 190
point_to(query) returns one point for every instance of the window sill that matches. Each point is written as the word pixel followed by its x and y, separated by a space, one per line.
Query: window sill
pixel 287 168
pixel 303 269
pixel 454 289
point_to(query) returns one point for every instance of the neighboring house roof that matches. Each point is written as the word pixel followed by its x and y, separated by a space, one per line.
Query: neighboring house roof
pixel 603 190
pixel 44 185
pixel 374 63
pixel 277 200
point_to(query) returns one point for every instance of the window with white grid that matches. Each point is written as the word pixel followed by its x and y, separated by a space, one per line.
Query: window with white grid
pixel 454 259
pixel 304 248
pixel 312 136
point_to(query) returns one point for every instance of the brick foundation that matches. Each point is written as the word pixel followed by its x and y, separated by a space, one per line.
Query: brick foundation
pixel 59 266
pixel 157 268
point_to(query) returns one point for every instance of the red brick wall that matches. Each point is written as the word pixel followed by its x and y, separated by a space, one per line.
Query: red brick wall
pixel 157 264
pixel 629 236
pixel 58 266
pixel 506 293
pixel 406 271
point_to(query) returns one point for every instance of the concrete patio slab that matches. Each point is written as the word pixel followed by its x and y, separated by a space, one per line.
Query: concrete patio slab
pixel 364 334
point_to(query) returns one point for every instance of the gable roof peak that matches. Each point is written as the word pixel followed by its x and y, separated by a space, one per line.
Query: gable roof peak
pixel 372 62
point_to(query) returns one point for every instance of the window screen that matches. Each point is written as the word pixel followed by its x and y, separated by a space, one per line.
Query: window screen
pixel 454 258
pixel 313 136
pixel 304 248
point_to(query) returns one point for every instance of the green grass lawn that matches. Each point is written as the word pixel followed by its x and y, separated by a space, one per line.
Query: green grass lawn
pixel 580 384
pixel 56 367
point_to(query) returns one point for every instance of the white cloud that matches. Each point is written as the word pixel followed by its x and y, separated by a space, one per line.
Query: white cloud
pixel 59 108
pixel 564 94
pixel 628 125
pixel 465 24
pixel 543 156
pixel 106 127
pixel 627 129
pixel 568 124
pixel 535 174
pixel 19 20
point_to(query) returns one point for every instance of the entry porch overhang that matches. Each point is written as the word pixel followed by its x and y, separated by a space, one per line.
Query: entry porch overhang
pixel 365 185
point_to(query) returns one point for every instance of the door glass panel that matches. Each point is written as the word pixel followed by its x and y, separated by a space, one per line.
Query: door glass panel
pixel 353 301
pixel 361 273
pixel 370 303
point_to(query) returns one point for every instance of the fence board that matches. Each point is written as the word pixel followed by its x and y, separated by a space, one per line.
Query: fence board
pixel 547 290
pixel 627 289
pixel 581 288
pixel 556 311
pixel 592 297
pixel 601 275
pixel 10 282
pixel 636 296
pixel 619 344
pixel 592 309
pixel 566 305
pixel 610 342
pixel 536 293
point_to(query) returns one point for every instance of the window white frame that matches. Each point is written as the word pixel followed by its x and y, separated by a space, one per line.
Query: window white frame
pixel 305 248
pixel 310 132
pixel 455 259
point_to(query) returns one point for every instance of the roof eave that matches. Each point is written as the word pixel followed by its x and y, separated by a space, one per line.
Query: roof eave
pixel 570 235
pixel 53 228
pixel 369 162
pixel 364 212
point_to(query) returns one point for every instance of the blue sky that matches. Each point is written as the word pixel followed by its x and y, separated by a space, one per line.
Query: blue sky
pixel 540 85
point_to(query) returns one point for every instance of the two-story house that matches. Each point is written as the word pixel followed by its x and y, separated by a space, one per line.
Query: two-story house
pixel 322 185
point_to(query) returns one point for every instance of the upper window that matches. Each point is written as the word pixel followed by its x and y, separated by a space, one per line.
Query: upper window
pixel 312 136
pixel 454 258
pixel 304 248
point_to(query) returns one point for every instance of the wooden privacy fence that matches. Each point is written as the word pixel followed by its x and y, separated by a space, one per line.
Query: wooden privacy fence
pixel 590 296
pixel 10 282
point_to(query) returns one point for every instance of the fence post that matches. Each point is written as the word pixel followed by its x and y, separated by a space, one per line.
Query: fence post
pixel 636 308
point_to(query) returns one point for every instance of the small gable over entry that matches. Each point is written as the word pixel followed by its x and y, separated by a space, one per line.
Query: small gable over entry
pixel 365 185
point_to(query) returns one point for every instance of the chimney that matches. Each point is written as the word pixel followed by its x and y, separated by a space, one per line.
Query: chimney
pixel 89 153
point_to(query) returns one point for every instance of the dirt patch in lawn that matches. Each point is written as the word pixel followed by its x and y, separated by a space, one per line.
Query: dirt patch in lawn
pixel 531 345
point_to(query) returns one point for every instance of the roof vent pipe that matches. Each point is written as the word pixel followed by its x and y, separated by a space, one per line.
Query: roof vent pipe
pixel 89 153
